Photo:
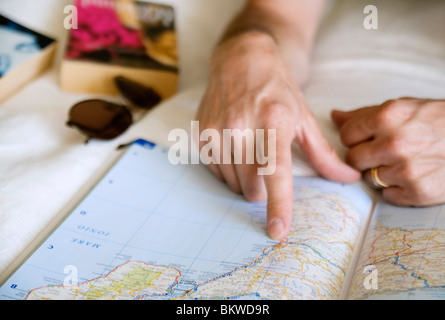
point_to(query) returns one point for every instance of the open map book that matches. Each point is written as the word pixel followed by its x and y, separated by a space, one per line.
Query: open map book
pixel 152 230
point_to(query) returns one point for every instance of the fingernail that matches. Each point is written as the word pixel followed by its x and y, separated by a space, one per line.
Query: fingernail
pixel 276 229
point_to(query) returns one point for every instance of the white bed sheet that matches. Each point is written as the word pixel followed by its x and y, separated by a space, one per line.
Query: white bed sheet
pixel 43 163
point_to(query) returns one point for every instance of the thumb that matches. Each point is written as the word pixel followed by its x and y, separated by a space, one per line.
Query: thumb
pixel 323 157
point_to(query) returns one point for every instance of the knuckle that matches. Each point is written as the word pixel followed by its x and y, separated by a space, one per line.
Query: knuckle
pixel 393 104
pixel 234 122
pixel 275 116
pixel 204 125
pixel 388 112
pixel 396 146
pixel 384 116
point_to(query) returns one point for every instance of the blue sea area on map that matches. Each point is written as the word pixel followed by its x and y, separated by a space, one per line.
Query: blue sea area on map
pixel 145 209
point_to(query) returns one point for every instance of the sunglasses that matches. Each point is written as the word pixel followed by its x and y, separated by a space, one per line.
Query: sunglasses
pixel 104 120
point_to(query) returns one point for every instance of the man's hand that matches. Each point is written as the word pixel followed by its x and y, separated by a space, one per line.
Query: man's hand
pixel 405 140
pixel 251 87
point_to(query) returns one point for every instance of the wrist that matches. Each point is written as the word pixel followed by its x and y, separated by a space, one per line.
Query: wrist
pixel 244 43
pixel 258 46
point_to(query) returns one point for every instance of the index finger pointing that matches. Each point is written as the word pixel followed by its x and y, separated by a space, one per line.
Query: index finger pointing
pixel 279 186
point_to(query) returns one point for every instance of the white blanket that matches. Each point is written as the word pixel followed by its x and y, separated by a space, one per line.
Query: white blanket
pixel 43 164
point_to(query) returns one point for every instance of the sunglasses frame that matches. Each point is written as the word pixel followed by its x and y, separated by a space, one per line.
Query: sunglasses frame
pixel 120 115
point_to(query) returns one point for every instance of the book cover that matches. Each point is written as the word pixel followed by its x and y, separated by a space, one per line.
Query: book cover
pixel 24 55
pixel 128 38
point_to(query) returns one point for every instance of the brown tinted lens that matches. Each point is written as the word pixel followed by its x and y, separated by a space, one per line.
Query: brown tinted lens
pixel 100 119
pixel 136 93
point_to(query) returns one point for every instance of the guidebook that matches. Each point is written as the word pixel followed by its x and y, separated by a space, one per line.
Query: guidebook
pixel 24 55
pixel 110 38
pixel 149 229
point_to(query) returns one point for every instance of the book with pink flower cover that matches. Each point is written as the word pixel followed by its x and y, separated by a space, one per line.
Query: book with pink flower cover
pixel 128 38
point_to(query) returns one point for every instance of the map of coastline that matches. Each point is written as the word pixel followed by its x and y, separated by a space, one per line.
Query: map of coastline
pixel 130 281
pixel 150 230
pixel 311 263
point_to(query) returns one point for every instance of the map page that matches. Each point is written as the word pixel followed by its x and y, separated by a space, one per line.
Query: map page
pixel 406 249
pixel 153 230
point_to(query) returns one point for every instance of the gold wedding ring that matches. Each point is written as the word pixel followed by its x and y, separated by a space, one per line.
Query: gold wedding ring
pixel 378 183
